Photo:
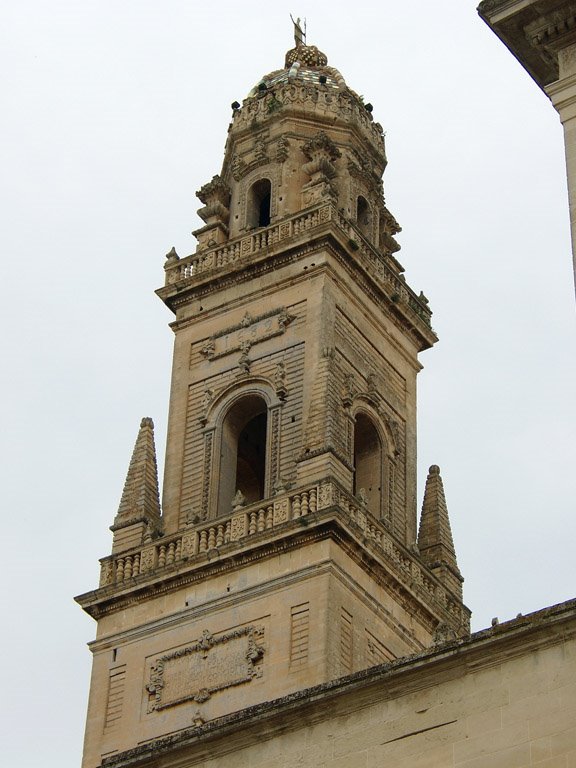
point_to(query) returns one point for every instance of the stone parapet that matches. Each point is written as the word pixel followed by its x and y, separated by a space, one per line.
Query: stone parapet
pixel 188 272
pixel 268 521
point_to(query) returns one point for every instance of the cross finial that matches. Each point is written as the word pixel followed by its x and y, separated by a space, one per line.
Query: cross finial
pixel 299 31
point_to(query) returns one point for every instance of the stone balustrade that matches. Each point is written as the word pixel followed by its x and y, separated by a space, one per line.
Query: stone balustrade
pixel 243 523
pixel 195 265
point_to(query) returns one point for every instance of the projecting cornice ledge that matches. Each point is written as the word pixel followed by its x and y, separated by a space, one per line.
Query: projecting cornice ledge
pixel 534 31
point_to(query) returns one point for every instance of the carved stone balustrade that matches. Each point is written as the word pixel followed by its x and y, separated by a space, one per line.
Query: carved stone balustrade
pixel 225 535
pixel 188 270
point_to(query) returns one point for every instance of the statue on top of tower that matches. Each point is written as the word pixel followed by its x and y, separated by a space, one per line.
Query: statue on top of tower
pixel 299 33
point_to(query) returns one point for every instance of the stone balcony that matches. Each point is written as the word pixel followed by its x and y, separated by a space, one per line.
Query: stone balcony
pixel 185 274
pixel 313 509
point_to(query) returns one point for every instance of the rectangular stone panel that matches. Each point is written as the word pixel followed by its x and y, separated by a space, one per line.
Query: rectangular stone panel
pixel 211 664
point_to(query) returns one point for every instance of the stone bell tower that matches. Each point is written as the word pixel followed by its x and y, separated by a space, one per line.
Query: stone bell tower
pixel 286 553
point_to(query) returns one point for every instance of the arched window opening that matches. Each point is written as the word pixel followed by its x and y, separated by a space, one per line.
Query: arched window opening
pixel 259 204
pixel 243 453
pixel 363 216
pixel 368 464
pixel 251 459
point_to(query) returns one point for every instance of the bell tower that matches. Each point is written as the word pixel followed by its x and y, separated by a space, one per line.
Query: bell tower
pixel 286 552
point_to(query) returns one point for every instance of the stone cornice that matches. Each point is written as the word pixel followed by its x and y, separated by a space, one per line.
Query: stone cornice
pixel 233 732
pixel 534 31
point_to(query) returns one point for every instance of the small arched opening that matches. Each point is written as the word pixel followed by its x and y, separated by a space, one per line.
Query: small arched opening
pixel 368 465
pixel 363 216
pixel 243 452
pixel 259 200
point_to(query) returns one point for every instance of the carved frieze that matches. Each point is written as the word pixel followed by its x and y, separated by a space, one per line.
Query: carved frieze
pixel 211 664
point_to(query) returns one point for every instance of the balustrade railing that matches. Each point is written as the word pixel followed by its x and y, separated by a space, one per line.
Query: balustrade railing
pixel 210 536
pixel 244 523
pixel 199 263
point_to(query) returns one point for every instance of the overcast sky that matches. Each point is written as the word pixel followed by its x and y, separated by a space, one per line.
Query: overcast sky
pixel 113 113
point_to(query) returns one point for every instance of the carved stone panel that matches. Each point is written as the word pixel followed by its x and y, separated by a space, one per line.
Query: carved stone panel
pixel 238 527
pixel 250 331
pixel 211 664
pixel 281 511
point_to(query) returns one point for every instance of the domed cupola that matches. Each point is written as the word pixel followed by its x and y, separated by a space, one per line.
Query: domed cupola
pixel 301 137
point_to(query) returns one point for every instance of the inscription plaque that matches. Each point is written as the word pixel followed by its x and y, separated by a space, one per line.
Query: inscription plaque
pixel 209 665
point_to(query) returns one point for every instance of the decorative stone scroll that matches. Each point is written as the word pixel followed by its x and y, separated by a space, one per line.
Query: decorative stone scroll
pixel 211 664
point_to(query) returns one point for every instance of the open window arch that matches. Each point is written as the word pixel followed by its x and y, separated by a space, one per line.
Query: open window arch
pixel 243 449
pixel 259 203
pixel 364 216
pixel 239 421
pixel 372 448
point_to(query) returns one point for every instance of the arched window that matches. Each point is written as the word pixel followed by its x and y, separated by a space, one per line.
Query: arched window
pixel 364 216
pixel 259 197
pixel 368 464
pixel 243 452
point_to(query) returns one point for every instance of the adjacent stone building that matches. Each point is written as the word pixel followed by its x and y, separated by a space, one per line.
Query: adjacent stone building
pixel 541 34
pixel 284 606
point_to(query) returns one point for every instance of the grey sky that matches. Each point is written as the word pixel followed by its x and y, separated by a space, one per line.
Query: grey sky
pixel 113 115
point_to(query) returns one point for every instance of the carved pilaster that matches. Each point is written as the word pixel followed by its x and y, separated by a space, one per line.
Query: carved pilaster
pixel 206 472
pixel 321 152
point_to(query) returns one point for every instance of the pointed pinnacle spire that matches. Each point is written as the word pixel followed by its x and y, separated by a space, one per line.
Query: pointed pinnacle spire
pixel 140 500
pixel 435 535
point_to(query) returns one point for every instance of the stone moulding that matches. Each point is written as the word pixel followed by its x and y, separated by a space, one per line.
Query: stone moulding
pixel 211 664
